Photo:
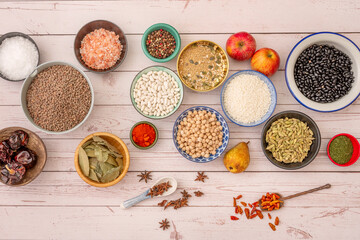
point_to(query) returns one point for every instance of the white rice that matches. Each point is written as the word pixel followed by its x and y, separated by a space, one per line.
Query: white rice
pixel 247 98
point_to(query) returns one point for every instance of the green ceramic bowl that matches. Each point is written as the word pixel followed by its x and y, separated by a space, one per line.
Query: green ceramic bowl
pixel 168 28
pixel 156 135
pixel 156 68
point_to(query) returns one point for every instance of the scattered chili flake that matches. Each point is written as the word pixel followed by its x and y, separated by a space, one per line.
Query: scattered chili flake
pixel 269 215
pixel 234 218
pixel 272 226
pixel 259 213
pixel 161 204
pixel 145 176
pixel 253 215
pixel 277 221
pixel 234 202
pixel 164 224
pixel 185 194
pixel 198 193
pixel 238 197
pixel 159 189
pixel 244 204
pixel 247 213
pixel 201 177
pixel 160 44
pixel 240 210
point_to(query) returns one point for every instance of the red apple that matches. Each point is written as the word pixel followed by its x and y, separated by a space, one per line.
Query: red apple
pixel 241 46
pixel 266 61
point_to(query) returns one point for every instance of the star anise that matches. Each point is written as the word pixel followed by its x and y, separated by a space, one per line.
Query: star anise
pixel 159 189
pixel 198 193
pixel 185 194
pixel 145 176
pixel 201 177
pixel 164 224
pixel 169 204
pixel 161 204
pixel 184 202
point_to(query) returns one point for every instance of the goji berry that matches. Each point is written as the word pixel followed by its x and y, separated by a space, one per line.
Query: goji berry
pixel 234 218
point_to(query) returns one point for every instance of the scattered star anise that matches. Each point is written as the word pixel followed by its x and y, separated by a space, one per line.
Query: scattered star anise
pixel 164 224
pixel 159 189
pixel 178 203
pixel 185 194
pixel 145 176
pixel 201 177
pixel 198 193
pixel 161 204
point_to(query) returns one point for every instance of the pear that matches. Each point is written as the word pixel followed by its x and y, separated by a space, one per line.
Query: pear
pixel 237 159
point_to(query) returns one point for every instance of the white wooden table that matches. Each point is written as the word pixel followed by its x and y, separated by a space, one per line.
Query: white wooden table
pixel 59 205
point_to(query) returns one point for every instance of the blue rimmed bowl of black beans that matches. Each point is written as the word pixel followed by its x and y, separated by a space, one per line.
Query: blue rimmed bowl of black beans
pixel 323 72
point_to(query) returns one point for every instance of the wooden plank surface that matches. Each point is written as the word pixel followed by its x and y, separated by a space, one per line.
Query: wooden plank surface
pixel 67 208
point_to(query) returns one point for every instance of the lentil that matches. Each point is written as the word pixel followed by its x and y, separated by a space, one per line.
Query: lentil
pixel 323 73
pixel 199 134
pixel 160 44
pixel 58 98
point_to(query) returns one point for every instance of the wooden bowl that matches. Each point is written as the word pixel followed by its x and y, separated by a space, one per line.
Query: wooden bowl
pixel 114 141
pixel 35 144
pixel 90 27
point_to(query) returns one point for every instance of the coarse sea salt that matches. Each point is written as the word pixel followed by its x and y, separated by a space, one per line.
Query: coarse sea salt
pixel 247 98
pixel 18 57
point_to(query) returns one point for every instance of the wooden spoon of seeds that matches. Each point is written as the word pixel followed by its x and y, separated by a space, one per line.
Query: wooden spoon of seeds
pixel 282 199
pixel 146 195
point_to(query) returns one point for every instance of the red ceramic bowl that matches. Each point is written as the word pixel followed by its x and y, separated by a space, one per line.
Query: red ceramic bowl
pixel 356 152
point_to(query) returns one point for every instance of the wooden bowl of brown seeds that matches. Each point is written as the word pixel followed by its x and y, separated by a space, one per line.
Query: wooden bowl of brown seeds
pixel 57 97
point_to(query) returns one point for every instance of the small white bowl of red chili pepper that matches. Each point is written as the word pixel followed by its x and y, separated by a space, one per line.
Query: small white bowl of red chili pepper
pixel 161 42
pixel 144 135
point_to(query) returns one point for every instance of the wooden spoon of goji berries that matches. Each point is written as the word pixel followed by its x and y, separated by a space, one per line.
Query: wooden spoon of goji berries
pixel 275 201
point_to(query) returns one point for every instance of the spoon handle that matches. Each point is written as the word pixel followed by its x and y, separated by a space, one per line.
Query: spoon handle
pixel 308 191
pixel 131 202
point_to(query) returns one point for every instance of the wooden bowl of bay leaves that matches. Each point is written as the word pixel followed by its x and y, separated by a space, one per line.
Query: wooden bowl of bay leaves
pixel 102 159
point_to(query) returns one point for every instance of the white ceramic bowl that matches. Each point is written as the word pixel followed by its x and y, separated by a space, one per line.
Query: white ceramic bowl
pixel 27 83
pixel 343 44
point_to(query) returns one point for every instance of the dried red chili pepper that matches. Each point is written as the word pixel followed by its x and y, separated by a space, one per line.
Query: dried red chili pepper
pixel 236 209
pixel 272 226
pixel 234 204
pixel 244 204
pixel 238 197
pixel 234 218
pixel 269 215
pixel 277 221
pixel 253 215
pixel 259 213
pixel 247 213
pixel 240 210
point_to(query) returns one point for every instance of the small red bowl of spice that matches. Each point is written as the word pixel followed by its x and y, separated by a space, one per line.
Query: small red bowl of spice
pixel 161 42
pixel 144 135
pixel 343 149
pixel 100 46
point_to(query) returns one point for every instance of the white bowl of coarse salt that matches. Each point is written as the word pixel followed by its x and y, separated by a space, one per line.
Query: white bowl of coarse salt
pixel 248 98
pixel 19 56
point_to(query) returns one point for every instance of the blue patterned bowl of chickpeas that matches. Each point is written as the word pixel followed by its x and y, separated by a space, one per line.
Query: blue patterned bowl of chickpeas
pixel 201 134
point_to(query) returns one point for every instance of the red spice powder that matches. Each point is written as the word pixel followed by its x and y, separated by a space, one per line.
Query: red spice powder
pixel 143 135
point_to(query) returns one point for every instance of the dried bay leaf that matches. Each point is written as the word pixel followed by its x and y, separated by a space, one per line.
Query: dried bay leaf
pixel 105 167
pixel 110 147
pixel 93 175
pixel 111 175
pixel 112 161
pixel 100 154
pixel 93 163
pixel 90 152
pixel 84 162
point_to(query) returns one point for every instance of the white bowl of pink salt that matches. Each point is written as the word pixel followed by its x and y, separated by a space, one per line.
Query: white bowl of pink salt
pixel 19 56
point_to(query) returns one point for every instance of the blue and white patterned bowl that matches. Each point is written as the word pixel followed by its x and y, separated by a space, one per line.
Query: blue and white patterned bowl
pixel 219 151
pixel 271 87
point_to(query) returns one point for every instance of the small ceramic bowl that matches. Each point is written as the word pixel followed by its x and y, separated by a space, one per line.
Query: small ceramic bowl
pixel 314 148
pixel 356 153
pixel 35 144
pixel 97 24
pixel 31 77
pixel 272 90
pixel 219 150
pixel 145 71
pixel 165 27
pixel 114 141
pixel 18 34
pixel 342 43
pixel 156 135
pixel 224 56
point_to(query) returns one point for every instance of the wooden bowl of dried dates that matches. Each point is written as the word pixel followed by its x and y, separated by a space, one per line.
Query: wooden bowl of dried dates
pixel 22 156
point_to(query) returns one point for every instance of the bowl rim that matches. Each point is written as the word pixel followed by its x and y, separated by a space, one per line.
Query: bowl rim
pixel 176 37
pixel 263 134
pixel 99 184
pixel 175 125
pixel 45 156
pixel 23 93
pixel 227 68
pixel 117 64
pixel 286 66
pixel 270 110
pixel 177 79
pixel 19 34
pixel 349 163
pixel 156 135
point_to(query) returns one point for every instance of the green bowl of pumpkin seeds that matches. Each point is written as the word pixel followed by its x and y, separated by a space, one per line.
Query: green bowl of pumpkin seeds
pixel 290 140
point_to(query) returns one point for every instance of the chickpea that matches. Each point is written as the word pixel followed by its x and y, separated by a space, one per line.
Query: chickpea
pixel 213 152
pixel 207 155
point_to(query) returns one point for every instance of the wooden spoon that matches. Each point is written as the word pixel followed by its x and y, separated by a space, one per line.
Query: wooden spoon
pixel 296 195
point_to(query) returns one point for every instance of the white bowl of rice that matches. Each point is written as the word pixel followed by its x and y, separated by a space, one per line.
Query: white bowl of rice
pixel 248 98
